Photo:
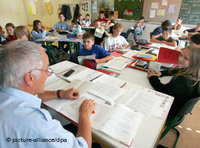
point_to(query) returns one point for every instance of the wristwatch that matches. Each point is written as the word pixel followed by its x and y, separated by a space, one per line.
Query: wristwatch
pixel 59 92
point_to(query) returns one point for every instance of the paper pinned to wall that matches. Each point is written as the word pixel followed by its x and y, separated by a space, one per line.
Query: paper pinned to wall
pixel 160 12
pixel 94 7
pixel 171 9
pixel 152 13
pixel 154 5
pixel 164 2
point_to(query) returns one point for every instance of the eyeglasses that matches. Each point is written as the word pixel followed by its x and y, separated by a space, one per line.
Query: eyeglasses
pixel 49 71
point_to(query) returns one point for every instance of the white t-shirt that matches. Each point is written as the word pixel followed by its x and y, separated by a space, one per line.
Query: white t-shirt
pixel 113 43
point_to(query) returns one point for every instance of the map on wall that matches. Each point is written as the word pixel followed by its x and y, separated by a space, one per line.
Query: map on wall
pixel 129 9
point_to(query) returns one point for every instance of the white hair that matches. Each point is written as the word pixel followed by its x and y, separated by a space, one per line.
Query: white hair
pixel 16 59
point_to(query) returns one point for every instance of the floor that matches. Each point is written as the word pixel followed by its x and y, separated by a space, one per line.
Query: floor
pixel 189 129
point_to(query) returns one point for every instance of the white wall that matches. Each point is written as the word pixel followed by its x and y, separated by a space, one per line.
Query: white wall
pixel 12 11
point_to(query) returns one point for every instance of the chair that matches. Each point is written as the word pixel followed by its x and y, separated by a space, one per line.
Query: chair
pixel 187 108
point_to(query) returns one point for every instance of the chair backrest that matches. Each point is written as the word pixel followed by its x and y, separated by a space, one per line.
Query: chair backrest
pixel 188 106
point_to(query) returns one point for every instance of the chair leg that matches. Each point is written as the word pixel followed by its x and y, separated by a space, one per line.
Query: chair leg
pixel 178 136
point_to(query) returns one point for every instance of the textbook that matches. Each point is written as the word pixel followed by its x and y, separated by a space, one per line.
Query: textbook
pixel 82 58
pixel 145 56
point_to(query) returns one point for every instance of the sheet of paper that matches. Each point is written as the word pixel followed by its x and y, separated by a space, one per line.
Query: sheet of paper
pixel 99 32
pixel 148 102
pixel 171 9
pixel 82 58
pixel 154 5
pixel 111 80
pixel 122 124
pixel 118 63
pixel 160 12
pixel 57 68
pixel 129 54
pixel 106 91
pixel 164 2
pixel 152 13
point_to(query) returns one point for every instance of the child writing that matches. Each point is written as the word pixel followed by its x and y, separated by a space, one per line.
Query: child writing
pixel 10 32
pixel 116 41
pixel 89 48
pixel 165 38
pixel 185 82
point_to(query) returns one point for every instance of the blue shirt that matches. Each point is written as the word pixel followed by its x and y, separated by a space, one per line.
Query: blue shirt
pixel 63 26
pixel 38 35
pixel 157 31
pixel 96 50
pixel 22 120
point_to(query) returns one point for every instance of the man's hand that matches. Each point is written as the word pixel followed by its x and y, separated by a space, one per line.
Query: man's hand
pixel 71 93
pixel 87 107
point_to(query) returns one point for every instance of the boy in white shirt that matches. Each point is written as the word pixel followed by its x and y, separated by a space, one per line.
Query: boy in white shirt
pixel 116 41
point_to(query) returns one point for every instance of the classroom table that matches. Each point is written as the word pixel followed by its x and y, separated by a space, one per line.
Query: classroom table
pixel 150 128
pixel 60 38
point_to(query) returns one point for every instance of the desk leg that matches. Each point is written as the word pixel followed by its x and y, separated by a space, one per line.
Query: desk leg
pixel 70 49
pixel 48 47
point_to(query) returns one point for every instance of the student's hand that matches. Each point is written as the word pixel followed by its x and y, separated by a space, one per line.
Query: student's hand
pixel 87 107
pixel 71 93
pixel 152 73
pixel 43 27
pixel 97 60
pixel 59 30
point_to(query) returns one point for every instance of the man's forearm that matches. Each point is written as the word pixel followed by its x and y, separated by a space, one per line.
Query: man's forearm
pixel 48 95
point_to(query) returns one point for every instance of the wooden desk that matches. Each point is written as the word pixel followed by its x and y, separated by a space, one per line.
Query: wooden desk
pixel 150 128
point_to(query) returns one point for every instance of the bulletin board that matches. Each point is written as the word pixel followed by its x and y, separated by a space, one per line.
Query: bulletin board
pixel 129 9
pixel 161 10
pixel 190 11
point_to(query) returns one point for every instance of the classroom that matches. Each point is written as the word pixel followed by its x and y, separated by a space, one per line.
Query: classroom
pixel 100 73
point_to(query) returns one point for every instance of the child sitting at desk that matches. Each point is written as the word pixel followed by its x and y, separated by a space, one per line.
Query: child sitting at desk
pixel 99 38
pixel 158 31
pixel 184 84
pixel 165 38
pixel 195 40
pixel 76 28
pixel 38 32
pixel 10 32
pixel 89 48
pixel 86 20
pixel 116 41
pixel 102 18
pixel 193 30
pixel 178 24
pixel 23 33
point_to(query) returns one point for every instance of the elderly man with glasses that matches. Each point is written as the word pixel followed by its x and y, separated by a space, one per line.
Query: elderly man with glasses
pixel 24 70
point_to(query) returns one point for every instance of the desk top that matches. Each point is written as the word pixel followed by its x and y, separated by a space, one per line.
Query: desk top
pixel 149 129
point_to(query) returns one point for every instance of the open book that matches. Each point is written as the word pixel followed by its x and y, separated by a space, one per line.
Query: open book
pixel 82 58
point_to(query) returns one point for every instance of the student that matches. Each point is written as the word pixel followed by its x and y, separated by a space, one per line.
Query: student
pixel 2 36
pixel 10 32
pixel 80 19
pixel 39 31
pixel 184 84
pixel 102 18
pixel 89 48
pixel 23 33
pixel 76 28
pixel 195 40
pixel 98 40
pixel 116 41
pixel 193 30
pixel 86 20
pixel 158 31
pixel 165 38
pixel 178 24
pixel 137 29
pixel 111 22
pixel 62 24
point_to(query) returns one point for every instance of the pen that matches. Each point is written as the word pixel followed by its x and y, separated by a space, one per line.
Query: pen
pixel 123 85
pixel 104 67
pixel 95 78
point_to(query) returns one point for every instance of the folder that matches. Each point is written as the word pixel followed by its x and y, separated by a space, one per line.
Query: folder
pixel 167 55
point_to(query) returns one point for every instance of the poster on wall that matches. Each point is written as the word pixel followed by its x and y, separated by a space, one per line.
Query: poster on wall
pixel 32 7
pixel 160 12
pixel 164 2
pixel 94 7
pixel 84 6
pixel 152 13
pixel 154 5
pixel 48 8
pixel 171 9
